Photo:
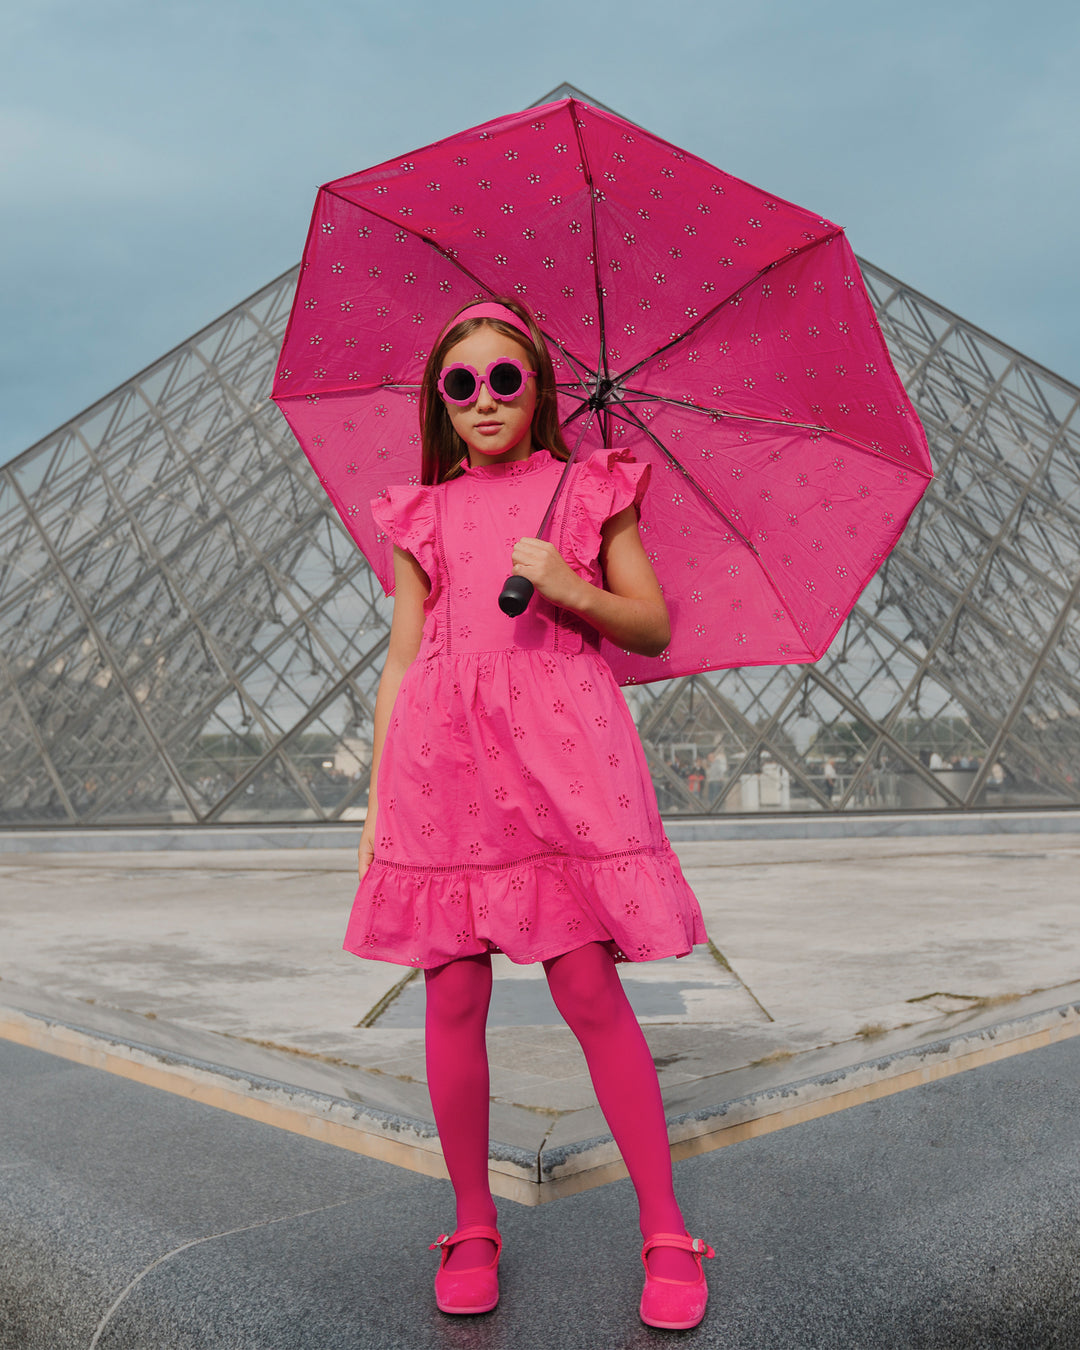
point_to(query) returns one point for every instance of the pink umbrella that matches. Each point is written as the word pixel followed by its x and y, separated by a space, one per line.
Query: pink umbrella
pixel 701 324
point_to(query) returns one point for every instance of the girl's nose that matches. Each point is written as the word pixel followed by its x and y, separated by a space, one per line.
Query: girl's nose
pixel 483 398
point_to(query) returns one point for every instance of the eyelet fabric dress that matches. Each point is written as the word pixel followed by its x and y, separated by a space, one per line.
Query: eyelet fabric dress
pixel 516 811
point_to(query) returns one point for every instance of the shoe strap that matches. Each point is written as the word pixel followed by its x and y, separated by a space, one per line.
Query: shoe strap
pixel 472 1230
pixel 683 1241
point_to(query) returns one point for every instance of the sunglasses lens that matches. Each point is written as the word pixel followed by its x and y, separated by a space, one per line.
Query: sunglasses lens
pixel 506 380
pixel 459 384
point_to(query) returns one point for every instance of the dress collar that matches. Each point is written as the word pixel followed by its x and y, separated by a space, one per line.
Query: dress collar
pixel 539 459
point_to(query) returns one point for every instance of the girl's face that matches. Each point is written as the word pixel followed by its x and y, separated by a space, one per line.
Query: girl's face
pixel 495 431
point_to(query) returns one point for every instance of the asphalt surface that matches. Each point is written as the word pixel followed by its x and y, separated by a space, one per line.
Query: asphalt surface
pixel 943 1217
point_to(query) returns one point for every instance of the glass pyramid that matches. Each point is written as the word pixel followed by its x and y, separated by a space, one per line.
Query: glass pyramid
pixel 187 634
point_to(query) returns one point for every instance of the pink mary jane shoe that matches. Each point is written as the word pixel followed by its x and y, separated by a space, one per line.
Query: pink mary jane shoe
pixel 475 1290
pixel 675 1305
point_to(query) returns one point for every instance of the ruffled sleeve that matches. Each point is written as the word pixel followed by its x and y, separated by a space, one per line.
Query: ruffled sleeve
pixel 405 516
pixel 605 484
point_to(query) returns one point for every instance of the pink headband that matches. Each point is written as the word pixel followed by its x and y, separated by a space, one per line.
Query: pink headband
pixel 488 310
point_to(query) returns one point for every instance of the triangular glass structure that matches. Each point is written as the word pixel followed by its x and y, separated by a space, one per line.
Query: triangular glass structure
pixel 187 633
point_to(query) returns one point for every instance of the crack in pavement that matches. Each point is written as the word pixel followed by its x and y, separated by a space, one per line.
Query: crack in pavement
pixel 195 1242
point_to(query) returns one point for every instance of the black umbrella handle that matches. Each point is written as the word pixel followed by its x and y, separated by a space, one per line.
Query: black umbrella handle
pixel 518 591
pixel 515 595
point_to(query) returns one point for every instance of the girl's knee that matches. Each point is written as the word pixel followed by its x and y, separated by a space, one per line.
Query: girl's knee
pixel 587 990
pixel 459 992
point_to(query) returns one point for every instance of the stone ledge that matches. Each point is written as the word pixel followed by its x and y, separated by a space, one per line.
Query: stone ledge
pixel 680 829
pixel 574 1152
pixel 576 1165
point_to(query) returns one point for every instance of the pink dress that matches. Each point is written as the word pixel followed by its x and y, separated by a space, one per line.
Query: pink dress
pixel 515 808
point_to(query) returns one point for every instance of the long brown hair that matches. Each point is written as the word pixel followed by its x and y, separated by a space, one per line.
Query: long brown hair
pixel 442 448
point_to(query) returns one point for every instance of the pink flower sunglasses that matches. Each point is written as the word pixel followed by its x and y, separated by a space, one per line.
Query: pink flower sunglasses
pixel 505 379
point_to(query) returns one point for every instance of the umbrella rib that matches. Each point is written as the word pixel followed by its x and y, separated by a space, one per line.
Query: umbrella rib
pixel 355 388
pixel 711 313
pixel 721 413
pixel 602 371
pixel 581 408
pixel 632 417
pixel 838 435
pixel 571 459
pixel 344 389
pixel 645 397
pixel 581 380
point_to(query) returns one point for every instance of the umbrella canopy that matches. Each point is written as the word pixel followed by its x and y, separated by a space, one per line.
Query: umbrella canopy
pixel 710 328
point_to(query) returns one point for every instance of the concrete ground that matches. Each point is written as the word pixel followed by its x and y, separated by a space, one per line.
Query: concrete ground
pixel 815 943
pixel 943 1216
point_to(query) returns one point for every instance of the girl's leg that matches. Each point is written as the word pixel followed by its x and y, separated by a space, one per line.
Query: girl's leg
pixel 458 995
pixel 589 994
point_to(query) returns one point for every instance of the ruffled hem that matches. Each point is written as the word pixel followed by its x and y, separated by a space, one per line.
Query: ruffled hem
pixel 405 514
pixel 606 483
pixel 531 910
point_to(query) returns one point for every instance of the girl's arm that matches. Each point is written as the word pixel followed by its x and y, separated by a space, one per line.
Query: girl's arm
pixel 411 587
pixel 631 613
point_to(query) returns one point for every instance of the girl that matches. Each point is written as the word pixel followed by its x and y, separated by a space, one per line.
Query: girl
pixel 514 810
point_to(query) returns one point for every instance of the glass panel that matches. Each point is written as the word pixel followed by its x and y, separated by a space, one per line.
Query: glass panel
pixel 332 756
pixel 109 766
pixel 1021 777
pixel 271 794
pixel 220 746
pixel 109 560
pixel 177 684
pixel 354 615
pixel 1048 727
pixel 42 619
pixel 869 666
pixel 142 792
pixel 1063 660
pixel 765 784
pixel 291 677
pixel 30 794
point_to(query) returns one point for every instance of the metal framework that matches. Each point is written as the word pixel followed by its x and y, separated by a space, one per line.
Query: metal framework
pixel 188 634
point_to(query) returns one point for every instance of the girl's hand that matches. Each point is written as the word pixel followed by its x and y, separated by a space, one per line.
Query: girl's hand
pixel 366 852
pixel 543 565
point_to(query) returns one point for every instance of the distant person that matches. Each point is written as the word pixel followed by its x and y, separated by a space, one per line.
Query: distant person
pixel 716 772
pixel 830 778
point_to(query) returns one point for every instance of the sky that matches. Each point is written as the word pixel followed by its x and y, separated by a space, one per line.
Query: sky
pixel 159 162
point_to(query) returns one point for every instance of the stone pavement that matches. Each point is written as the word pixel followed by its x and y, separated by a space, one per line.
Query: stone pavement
pixel 815 942
pixel 825 953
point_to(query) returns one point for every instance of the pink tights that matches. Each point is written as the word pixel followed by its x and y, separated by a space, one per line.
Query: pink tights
pixel 589 994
